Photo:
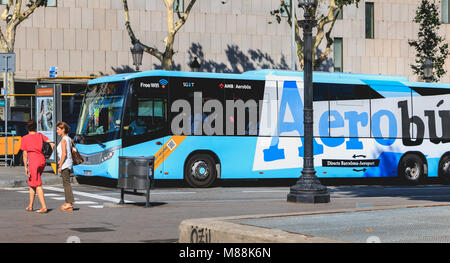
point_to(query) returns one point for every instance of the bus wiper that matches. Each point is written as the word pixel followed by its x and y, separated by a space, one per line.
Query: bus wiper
pixel 101 144
pixel 79 138
pixel 82 137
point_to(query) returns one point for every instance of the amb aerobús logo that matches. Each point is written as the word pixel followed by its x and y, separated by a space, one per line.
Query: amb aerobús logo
pixel 235 86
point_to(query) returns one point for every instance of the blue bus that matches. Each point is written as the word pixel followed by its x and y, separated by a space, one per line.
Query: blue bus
pixel 205 126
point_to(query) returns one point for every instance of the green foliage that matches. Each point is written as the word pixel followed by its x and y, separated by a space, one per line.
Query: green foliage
pixel 429 44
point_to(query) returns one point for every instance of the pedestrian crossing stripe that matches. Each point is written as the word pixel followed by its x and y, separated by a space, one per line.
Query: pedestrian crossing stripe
pixel 96 206
pixel 85 203
pixel 84 194
pixel 58 197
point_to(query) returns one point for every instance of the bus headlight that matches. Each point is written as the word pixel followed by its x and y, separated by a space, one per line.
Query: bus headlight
pixel 107 155
pixel 100 157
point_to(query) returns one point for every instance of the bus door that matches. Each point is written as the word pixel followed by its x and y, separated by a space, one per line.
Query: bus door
pixel 145 121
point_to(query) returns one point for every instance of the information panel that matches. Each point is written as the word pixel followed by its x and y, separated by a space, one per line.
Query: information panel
pixel 46 114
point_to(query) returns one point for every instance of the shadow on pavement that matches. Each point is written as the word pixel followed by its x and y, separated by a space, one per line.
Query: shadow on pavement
pixel 112 183
pixel 430 190
pixel 97 181
pixel 152 204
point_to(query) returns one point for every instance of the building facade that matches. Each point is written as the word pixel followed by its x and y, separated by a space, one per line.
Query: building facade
pixel 386 50
pixel 88 37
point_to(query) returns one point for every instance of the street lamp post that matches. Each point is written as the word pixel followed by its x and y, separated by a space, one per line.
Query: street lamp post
pixel 137 51
pixel 308 188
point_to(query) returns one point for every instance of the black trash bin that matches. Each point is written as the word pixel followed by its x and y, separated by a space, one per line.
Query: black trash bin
pixel 136 173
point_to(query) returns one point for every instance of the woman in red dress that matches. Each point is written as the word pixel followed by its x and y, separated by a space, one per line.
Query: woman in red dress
pixel 34 162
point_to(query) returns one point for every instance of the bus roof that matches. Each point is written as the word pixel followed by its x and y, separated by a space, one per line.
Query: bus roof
pixel 324 77
pixel 166 73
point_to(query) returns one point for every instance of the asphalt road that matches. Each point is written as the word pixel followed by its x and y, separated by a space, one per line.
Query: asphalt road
pixel 98 218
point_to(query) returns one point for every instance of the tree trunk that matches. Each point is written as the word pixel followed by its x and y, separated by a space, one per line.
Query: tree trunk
pixel 167 62
pixel 322 32
pixel 172 27
pixel 11 88
pixel 13 15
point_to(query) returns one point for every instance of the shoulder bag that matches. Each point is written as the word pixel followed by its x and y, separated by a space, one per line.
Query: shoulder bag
pixel 76 156
pixel 46 148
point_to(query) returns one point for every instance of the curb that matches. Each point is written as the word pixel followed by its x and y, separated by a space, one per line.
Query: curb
pixel 217 231
pixel 222 230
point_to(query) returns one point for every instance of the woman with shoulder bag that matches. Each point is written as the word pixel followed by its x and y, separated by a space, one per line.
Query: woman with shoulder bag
pixel 34 162
pixel 65 164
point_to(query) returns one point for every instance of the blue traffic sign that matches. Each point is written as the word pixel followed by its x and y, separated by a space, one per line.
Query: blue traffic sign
pixel 53 72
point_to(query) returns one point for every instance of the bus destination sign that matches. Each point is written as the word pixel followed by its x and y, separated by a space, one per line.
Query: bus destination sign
pixel 350 163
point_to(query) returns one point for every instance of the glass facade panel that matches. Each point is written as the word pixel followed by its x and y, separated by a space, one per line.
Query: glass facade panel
pixel 284 13
pixel 444 11
pixel 338 64
pixel 369 20
pixel 178 6
pixel 51 3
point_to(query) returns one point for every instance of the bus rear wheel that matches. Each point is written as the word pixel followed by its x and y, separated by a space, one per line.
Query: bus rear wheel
pixel 411 169
pixel 444 169
pixel 200 171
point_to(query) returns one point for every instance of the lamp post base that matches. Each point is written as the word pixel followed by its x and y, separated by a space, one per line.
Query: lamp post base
pixel 308 189
pixel 312 197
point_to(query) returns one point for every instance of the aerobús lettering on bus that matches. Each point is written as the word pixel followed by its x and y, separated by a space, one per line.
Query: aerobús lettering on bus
pixel 419 123
pixel 212 112
pixel 407 123
pixel 333 119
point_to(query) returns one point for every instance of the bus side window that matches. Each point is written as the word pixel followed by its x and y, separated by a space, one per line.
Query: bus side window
pixel 427 91
pixel 145 116
pixel 158 115
pixel 341 92
pixel 320 91
pixel 350 92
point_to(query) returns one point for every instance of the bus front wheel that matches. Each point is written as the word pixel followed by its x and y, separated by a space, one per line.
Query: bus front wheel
pixel 411 169
pixel 200 171
pixel 444 169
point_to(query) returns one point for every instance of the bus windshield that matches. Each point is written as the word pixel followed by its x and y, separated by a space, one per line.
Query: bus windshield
pixel 101 112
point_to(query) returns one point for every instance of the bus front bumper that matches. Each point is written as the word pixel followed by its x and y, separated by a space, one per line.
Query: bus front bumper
pixel 105 169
